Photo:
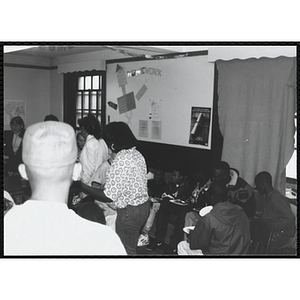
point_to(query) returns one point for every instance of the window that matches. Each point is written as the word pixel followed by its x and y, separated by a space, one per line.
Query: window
pixel 84 92
pixel 291 166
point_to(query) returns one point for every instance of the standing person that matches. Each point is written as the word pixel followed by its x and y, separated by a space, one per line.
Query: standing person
pixel 99 178
pixel 13 146
pixel 44 225
pixel 126 187
pixel 95 150
pixel 276 211
pixel 51 118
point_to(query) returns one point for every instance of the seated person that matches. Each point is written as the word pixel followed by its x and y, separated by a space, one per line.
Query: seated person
pixel 156 187
pixel 177 189
pixel 224 230
pixel 239 191
pixel 276 211
pixel 80 143
pixel 92 212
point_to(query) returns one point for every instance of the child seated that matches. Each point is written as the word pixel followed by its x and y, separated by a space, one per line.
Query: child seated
pixel 92 212
pixel 177 189
pixel 156 187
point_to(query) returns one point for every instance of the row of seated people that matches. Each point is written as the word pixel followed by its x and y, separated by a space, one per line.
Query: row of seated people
pixel 226 228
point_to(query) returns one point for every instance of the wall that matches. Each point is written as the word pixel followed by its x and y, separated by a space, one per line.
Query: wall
pixel 32 86
pixel 56 94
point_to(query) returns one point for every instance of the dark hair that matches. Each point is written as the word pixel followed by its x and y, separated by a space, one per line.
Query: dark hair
pixel 51 118
pixel 78 134
pixel 219 192
pixel 91 211
pixel 264 177
pixel 122 137
pixel 19 121
pixel 221 165
pixel 91 125
pixel 108 133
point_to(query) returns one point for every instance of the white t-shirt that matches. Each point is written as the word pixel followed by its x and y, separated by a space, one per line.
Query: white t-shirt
pixel 93 154
pixel 50 228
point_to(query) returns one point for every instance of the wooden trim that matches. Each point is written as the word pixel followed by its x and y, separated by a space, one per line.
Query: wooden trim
pixel 158 57
pixel 29 66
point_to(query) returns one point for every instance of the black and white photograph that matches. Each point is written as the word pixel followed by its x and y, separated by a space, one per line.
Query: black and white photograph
pixel 200 202
pixel 81 180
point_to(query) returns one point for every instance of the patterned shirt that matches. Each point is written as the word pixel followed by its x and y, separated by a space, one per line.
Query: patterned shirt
pixel 126 181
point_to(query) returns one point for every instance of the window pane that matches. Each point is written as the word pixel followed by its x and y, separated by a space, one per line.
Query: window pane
pixel 93 100
pixel 291 167
pixel 96 82
pixel 88 83
pixel 100 82
pixel 85 113
pixel 86 100
pixel 295 136
pixel 78 103
pixel 80 83
pixel 78 116
pixel 99 100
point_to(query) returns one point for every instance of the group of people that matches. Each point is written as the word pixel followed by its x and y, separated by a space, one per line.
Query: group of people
pixel 214 218
pixel 112 176
pixel 92 195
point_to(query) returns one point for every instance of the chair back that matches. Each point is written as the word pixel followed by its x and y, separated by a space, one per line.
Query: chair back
pixel 261 235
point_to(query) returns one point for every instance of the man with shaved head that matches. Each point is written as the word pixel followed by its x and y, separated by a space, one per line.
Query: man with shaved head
pixel 44 225
pixel 276 211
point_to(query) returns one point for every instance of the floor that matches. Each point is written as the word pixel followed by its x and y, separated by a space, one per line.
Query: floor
pixel 163 251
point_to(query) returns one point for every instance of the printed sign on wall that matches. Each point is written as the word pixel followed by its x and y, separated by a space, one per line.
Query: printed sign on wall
pixel 200 123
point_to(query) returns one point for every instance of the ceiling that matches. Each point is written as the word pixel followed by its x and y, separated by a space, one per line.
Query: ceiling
pixel 107 52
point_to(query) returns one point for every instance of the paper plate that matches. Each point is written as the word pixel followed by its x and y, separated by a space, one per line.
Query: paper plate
pixel 205 210
pixel 188 229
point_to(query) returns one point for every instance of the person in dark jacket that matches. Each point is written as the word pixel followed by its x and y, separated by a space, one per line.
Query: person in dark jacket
pixel 13 146
pixel 276 211
pixel 238 190
pixel 225 230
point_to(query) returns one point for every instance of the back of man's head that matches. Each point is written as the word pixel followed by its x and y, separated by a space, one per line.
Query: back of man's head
pixel 49 145
pixel 263 177
pixel 217 192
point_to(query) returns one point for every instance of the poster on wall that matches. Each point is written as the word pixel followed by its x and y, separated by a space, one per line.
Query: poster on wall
pixel 13 108
pixel 156 130
pixel 143 128
pixel 200 123
pixel 126 103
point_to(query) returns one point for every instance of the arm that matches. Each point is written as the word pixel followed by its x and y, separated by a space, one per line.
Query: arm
pixel 87 159
pixel 284 216
pixel 96 193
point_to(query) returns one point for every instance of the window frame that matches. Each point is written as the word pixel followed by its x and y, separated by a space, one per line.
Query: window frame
pixel 71 89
